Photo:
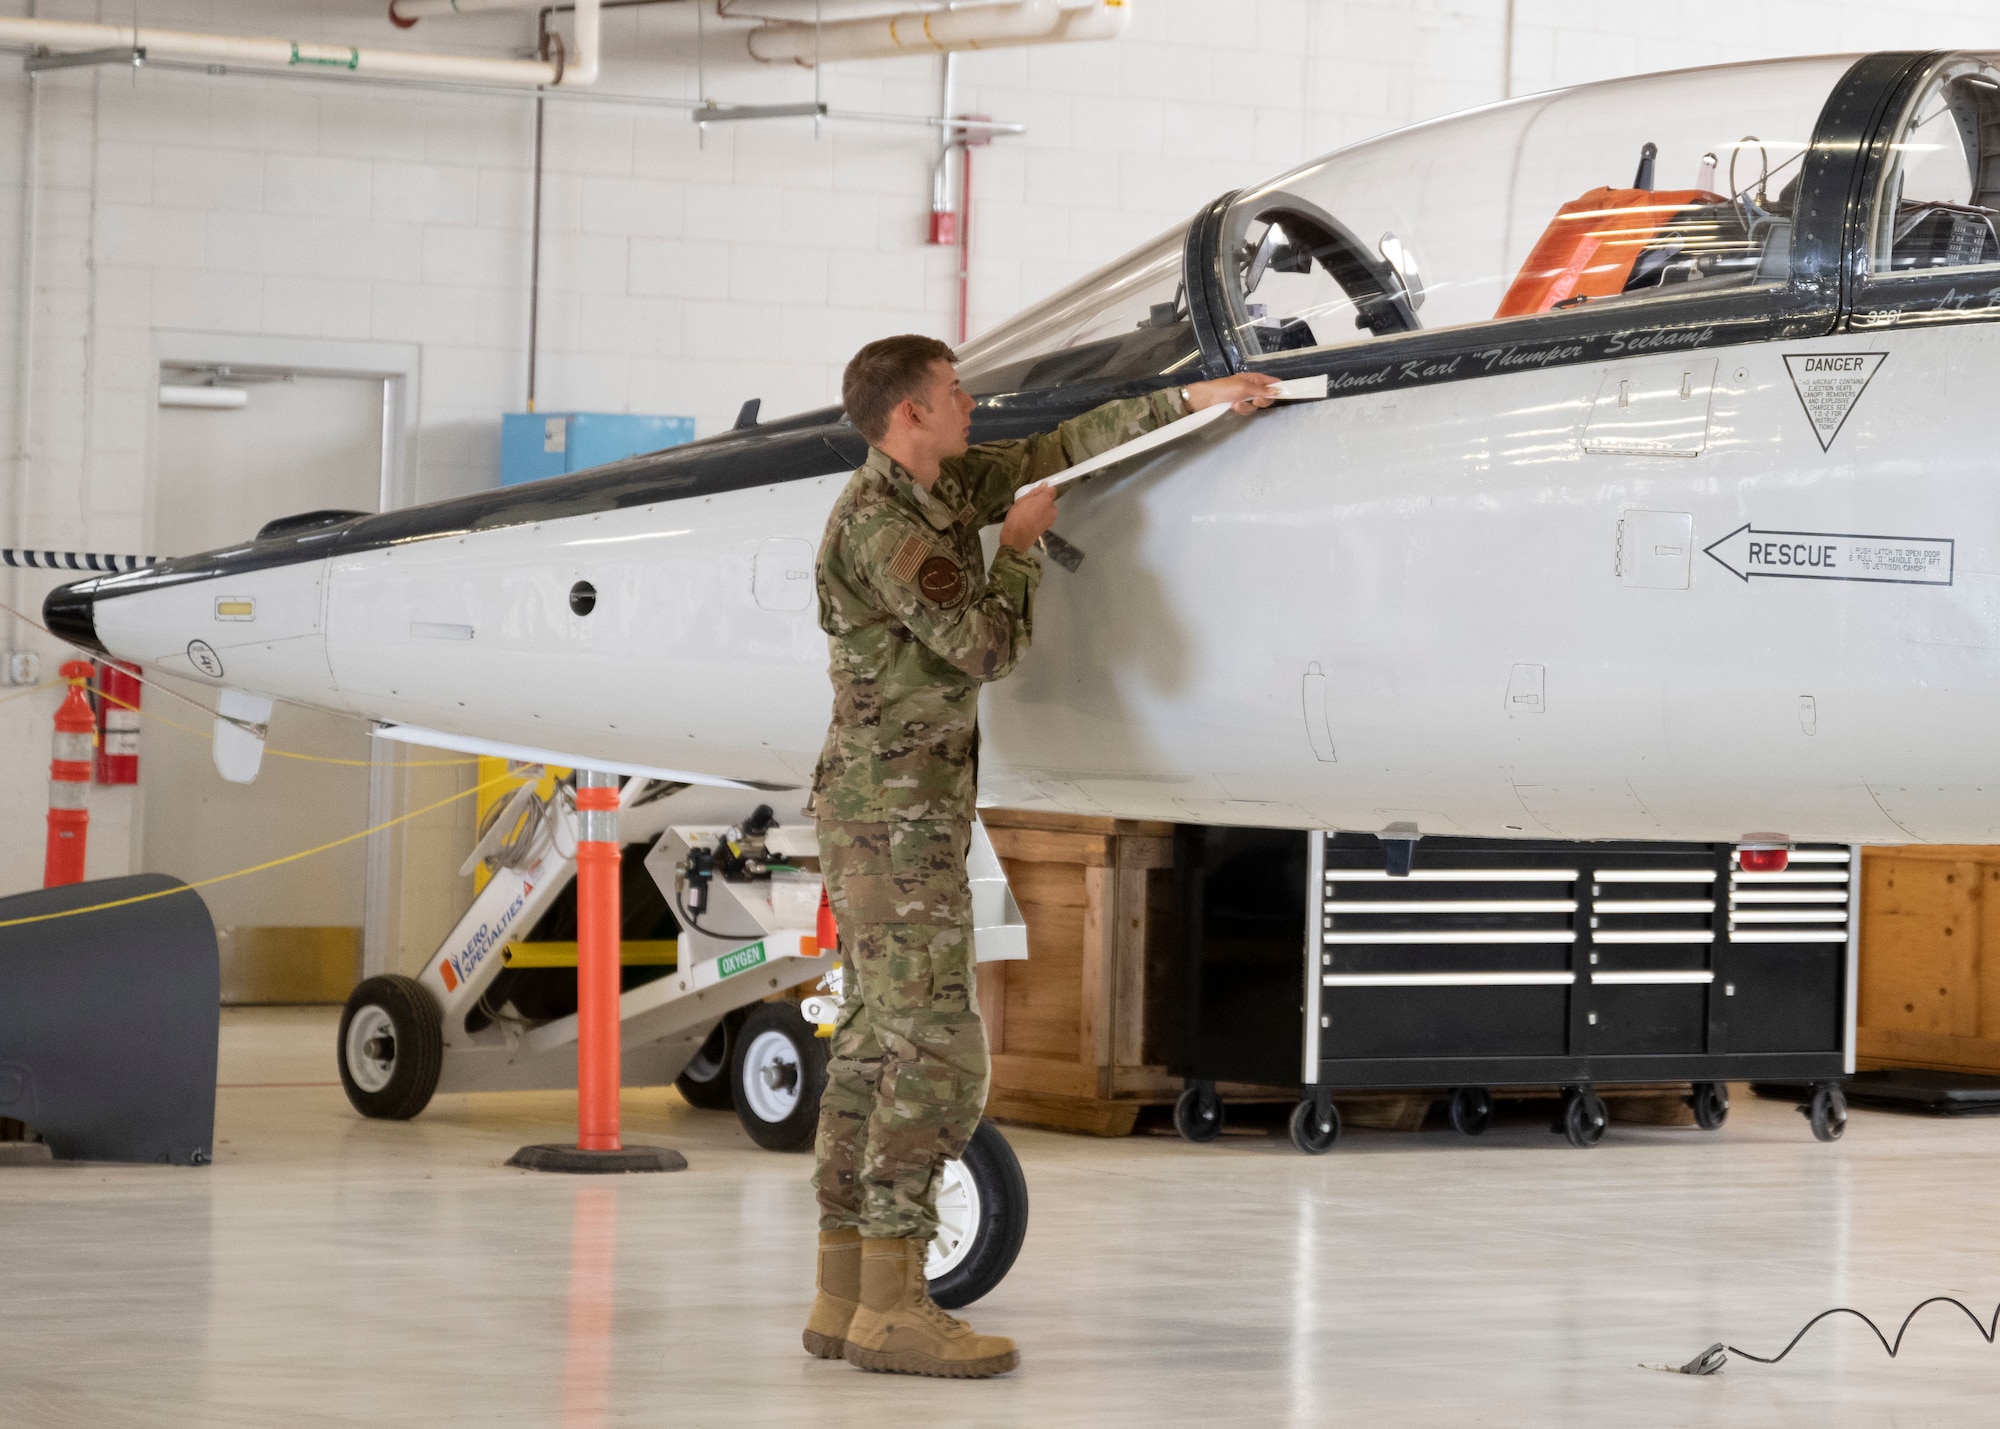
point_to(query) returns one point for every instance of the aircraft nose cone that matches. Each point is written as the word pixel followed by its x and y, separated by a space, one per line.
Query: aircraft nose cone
pixel 69 612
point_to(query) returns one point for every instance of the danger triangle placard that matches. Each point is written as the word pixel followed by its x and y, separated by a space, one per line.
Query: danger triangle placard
pixel 1829 384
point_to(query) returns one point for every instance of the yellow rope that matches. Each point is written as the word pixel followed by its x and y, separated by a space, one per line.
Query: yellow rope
pixel 259 867
pixel 34 690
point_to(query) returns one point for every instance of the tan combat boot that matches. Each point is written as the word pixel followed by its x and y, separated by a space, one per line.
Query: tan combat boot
pixel 899 1330
pixel 839 1293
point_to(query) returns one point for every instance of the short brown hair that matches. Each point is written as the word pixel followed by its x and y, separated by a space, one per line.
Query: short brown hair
pixel 886 372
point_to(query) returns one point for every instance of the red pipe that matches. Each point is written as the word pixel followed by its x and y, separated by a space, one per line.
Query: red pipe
pixel 69 781
pixel 597 977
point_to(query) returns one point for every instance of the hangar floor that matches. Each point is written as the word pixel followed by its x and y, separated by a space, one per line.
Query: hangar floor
pixel 332 1271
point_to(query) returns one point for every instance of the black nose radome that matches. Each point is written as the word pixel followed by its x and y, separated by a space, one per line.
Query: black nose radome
pixel 68 612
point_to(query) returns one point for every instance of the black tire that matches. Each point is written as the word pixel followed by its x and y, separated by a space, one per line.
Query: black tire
pixel 777 1070
pixel 990 1165
pixel 1198 1114
pixel 1584 1118
pixel 1309 1133
pixel 1828 1112
pixel 706 1081
pixel 397 1048
pixel 1710 1101
pixel 1471 1111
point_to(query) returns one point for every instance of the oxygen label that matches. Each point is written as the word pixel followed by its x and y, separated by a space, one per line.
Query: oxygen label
pixel 1829 384
pixel 729 964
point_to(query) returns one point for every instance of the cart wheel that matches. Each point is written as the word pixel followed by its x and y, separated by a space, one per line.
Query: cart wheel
pixel 1198 1113
pixel 704 1082
pixel 1828 1112
pixel 1312 1135
pixel 1584 1117
pixel 1710 1101
pixel 1471 1111
pixel 391 1047
pixel 777 1071
pixel 982 1204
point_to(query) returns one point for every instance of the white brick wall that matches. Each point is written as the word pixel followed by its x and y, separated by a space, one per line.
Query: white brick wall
pixel 684 275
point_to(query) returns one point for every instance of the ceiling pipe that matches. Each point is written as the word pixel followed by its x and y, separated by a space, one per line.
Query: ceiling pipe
pixel 265 53
pixel 926 32
pixel 405 13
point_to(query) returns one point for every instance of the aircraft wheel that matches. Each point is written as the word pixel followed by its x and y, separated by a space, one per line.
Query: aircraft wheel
pixel 1312 1133
pixel 705 1081
pixel 1828 1112
pixel 777 1072
pixel 391 1047
pixel 1198 1113
pixel 1711 1105
pixel 982 1205
pixel 1584 1117
pixel 1471 1111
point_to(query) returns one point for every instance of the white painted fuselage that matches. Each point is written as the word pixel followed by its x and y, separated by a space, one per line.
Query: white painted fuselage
pixel 1432 605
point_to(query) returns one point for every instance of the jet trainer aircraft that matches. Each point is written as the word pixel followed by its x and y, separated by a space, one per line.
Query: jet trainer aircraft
pixel 1649 500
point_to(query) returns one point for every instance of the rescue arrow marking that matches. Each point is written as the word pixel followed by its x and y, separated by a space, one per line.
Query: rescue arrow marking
pixel 1829 384
pixel 1826 556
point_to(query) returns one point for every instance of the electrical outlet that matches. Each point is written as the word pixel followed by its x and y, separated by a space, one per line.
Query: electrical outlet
pixel 24 667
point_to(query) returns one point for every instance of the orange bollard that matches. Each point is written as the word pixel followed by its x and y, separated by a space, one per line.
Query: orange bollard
pixel 597 870
pixel 825 933
pixel 69 781
pixel 599 867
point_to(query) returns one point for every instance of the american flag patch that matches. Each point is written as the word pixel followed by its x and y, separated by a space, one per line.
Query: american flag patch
pixel 908 557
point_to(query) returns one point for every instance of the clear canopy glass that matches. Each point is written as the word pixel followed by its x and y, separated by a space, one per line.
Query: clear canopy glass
pixel 1128 319
pixel 1940 192
pixel 1630 191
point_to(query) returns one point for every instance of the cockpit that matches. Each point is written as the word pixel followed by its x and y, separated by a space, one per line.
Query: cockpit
pixel 1626 195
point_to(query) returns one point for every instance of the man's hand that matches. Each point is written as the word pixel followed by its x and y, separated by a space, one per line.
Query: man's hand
pixel 1029 517
pixel 1245 392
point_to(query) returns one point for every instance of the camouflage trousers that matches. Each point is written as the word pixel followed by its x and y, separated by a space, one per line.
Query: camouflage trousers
pixel 907 1075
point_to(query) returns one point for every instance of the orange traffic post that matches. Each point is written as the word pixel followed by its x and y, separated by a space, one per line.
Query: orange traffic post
pixel 69 781
pixel 597 867
pixel 599 864
pixel 825 933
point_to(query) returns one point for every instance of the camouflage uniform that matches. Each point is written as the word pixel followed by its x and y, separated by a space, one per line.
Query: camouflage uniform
pixel 916 625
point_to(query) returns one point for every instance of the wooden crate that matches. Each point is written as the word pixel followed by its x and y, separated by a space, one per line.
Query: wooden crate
pixel 1930 959
pixel 1080 1030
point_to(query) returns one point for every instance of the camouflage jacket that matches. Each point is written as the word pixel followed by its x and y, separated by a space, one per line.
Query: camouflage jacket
pixel 917 623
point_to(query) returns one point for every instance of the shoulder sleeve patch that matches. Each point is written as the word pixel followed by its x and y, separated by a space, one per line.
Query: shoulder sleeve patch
pixel 909 556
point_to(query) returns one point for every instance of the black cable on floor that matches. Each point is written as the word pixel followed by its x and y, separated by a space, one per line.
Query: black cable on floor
pixel 1710 1360
pixel 1986 1329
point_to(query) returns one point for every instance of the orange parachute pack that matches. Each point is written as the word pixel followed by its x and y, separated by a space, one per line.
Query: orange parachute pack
pixel 1589 247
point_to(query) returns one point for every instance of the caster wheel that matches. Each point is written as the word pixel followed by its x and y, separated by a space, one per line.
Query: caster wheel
pixel 391 1047
pixel 1828 1112
pixel 1471 1111
pixel 1710 1101
pixel 705 1082
pixel 1310 1133
pixel 777 1072
pixel 1198 1114
pixel 982 1204
pixel 1584 1118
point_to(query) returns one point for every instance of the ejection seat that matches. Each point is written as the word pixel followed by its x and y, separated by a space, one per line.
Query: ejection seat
pixel 1613 242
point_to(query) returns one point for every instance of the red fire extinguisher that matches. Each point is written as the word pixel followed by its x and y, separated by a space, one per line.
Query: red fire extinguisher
pixel 117 723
